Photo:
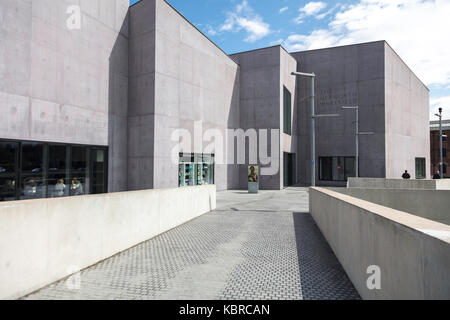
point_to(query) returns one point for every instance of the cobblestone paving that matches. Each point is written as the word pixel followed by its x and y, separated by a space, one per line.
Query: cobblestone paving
pixel 253 247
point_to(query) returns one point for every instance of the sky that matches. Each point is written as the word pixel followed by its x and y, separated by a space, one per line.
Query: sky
pixel 418 30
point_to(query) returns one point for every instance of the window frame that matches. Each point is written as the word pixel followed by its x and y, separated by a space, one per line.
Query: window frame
pixel 45 146
pixel 287 111
pixel 195 159
pixel 346 177
pixel 423 168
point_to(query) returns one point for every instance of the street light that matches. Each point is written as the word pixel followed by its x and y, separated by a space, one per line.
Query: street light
pixel 441 160
pixel 357 134
pixel 313 123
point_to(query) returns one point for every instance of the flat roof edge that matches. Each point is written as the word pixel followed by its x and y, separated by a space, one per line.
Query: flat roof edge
pixel 415 75
pixel 187 20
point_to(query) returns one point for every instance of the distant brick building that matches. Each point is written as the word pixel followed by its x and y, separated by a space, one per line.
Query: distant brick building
pixel 434 127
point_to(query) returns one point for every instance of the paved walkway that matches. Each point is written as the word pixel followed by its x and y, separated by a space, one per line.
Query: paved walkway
pixel 263 246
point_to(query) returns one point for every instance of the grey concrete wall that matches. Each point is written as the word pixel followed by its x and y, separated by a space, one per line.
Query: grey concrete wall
pixel 348 75
pixel 62 85
pixel 428 204
pixel 42 241
pixel 260 101
pixel 195 81
pixel 407 118
pixel 372 183
pixel 178 78
pixel 141 100
pixel 413 253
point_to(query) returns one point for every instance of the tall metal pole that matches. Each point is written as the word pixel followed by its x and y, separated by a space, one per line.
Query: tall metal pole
pixel 357 144
pixel 441 158
pixel 313 123
pixel 358 133
pixel 313 135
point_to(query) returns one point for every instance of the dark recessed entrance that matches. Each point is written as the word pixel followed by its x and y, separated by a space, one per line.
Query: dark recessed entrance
pixel 288 164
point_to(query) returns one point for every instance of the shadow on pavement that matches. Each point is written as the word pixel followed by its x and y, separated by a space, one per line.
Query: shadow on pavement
pixel 322 276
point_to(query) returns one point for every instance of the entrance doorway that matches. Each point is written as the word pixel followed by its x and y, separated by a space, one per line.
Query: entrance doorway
pixel 288 165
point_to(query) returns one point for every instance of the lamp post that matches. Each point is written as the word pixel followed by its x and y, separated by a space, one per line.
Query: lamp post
pixel 313 123
pixel 441 158
pixel 357 134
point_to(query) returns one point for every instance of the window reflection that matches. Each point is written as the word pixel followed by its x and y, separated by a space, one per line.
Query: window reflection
pixel 8 172
pixel 326 169
pixel 98 171
pixel 33 185
pixel 420 168
pixel 336 168
pixel 196 170
pixel 79 173
pixel 33 170
pixel 57 171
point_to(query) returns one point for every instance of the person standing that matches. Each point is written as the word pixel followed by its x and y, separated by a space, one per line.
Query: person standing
pixel 437 175
pixel 406 175
pixel 76 189
pixel 60 188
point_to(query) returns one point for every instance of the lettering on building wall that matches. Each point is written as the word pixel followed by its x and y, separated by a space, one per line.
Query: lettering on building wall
pixel 337 98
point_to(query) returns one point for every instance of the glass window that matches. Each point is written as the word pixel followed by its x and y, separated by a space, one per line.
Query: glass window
pixel 444 168
pixel 420 168
pixel 79 175
pixel 196 170
pixel 8 171
pixel 188 174
pixel 98 171
pixel 208 169
pixel 33 184
pixel 444 152
pixel 34 170
pixel 326 169
pixel 349 167
pixel 287 111
pixel 58 177
pixel 336 168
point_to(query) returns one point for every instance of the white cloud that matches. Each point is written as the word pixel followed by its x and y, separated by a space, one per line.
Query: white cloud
pixel 313 8
pixel 283 9
pixel 419 31
pixel 327 13
pixel 310 9
pixel 210 31
pixel 441 102
pixel 244 18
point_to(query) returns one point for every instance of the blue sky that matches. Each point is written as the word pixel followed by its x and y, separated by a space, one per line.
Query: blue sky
pixel 416 29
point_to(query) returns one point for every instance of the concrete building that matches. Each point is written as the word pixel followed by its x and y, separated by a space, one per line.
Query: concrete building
pixel 94 109
pixel 393 104
pixel 434 143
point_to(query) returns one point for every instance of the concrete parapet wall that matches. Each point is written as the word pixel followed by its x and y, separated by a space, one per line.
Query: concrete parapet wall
pixel 42 241
pixel 375 183
pixel 428 204
pixel 413 253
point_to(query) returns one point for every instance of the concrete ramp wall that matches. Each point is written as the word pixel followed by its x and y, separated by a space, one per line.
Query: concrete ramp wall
pixel 413 253
pixel 375 183
pixel 428 204
pixel 42 241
